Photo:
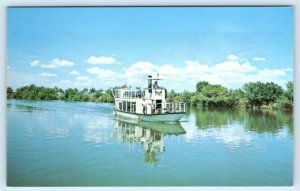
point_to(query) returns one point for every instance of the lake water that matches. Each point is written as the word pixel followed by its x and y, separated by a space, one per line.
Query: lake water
pixel 60 143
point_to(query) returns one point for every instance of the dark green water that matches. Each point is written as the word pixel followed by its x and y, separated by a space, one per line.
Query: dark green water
pixel 81 144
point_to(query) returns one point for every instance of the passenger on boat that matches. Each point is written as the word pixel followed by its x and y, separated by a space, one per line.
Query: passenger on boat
pixel 155 85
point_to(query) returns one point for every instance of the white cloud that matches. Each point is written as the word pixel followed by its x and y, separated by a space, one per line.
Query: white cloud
pixel 196 67
pixel 82 78
pixel 74 72
pixel 7 67
pixel 101 72
pixel 192 63
pixel 48 74
pixel 35 63
pixel 235 66
pixel 57 63
pixel 231 73
pixel 141 68
pixel 269 73
pixel 101 60
pixel 169 70
pixel 259 59
pixel 232 57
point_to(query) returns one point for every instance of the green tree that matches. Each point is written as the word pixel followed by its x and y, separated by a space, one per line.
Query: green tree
pixel 92 90
pixel 290 91
pixel 201 85
pixel 213 95
pixel 9 93
pixel 185 96
pixel 258 93
pixel 271 92
pixel 105 98
pixel 194 100
pixel 72 95
pixel 234 98
pixel 171 96
pixel 286 101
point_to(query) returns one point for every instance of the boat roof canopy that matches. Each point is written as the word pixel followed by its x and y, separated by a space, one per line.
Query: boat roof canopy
pixel 154 78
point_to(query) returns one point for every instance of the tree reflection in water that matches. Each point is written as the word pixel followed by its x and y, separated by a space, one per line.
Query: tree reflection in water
pixel 259 121
pixel 150 135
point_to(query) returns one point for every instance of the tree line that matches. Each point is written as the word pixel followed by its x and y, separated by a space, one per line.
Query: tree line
pixel 255 95
pixel 33 92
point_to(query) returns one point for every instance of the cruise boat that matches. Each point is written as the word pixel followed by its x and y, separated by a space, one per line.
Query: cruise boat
pixel 147 104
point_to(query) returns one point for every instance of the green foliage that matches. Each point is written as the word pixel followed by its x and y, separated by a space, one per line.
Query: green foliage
pixel 105 98
pixel 185 97
pixel 201 85
pixel 9 92
pixel 72 95
pixel 259 93
pixel 33 92
pixel 209 95
pixel 255 95
pixel 235 98
pixel 214 95
pixel 286 101
pixel 171 96
pixel 194 100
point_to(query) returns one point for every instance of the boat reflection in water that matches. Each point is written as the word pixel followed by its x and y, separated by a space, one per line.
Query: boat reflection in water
pixel 150 135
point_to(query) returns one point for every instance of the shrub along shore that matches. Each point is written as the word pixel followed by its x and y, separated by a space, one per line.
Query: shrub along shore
pixel 254 95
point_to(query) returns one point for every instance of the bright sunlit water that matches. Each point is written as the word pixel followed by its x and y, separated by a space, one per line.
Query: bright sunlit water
pixel 60 143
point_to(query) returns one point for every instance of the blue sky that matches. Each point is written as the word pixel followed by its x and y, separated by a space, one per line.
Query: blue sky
pixel 105 47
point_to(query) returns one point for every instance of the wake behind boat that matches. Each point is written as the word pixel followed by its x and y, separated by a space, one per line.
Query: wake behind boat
pixel 148 104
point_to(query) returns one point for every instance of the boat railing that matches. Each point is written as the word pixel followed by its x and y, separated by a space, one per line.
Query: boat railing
pixel 128 93
pixel 176 107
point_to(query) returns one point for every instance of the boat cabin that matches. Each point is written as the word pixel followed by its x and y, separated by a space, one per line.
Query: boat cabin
pixel 150 100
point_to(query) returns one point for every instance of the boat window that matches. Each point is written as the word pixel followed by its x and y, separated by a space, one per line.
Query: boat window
pixel 123 105
pixel 158 104
pixel 120 106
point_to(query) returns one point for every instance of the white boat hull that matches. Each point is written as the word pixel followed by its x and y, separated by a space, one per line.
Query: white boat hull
pixel 168 117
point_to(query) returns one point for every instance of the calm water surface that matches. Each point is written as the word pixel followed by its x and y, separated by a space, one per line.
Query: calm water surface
pixel 82 144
